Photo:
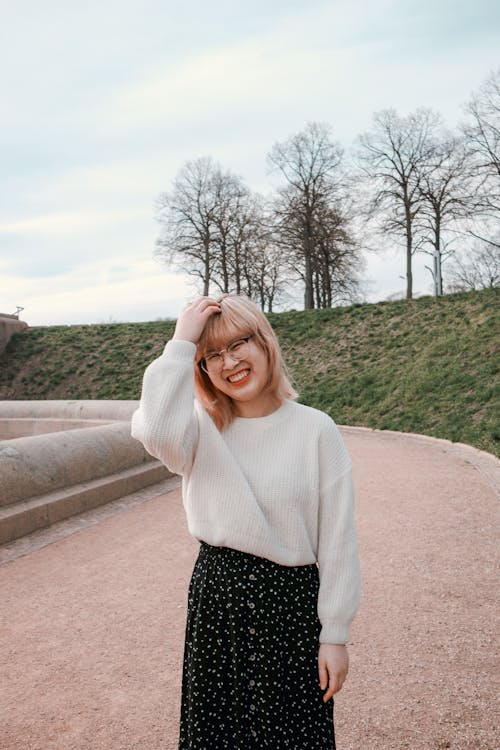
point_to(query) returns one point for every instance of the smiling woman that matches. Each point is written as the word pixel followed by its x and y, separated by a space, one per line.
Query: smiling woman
pixel 268 492
pixel 248 380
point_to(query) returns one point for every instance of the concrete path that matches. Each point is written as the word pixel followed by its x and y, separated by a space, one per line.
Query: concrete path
pixel 92 623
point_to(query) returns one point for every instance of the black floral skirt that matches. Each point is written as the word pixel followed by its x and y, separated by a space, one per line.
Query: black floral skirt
pixel 250 677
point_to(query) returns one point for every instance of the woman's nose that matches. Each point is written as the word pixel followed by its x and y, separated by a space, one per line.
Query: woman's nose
pixel 229 357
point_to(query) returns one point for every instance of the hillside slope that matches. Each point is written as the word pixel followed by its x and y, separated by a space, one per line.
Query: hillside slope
pixel 422 365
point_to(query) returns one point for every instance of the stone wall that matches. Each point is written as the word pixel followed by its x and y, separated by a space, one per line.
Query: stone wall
pixel 9 324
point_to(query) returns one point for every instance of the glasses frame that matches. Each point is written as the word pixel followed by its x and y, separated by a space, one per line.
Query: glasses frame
pixel 226 350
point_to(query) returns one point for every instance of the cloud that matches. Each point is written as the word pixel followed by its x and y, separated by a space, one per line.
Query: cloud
pixel 213 84
pixel 59 243
pixel 104 102
pixel 337 62
pixel 141 289
pixel 99 292
pixel 65 223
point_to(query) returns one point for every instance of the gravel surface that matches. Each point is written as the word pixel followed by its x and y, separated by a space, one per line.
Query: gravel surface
pixel 92 614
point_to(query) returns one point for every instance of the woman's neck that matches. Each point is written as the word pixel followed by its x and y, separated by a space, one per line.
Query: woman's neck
pixel 260 407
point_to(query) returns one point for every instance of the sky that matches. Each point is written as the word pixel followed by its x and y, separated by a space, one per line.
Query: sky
pixel 104 101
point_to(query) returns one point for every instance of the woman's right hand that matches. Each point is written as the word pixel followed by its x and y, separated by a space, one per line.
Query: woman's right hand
pixel 193 318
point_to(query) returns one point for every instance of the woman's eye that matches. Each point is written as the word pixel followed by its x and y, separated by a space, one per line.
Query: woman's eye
pixel 236 346
pixel 212 357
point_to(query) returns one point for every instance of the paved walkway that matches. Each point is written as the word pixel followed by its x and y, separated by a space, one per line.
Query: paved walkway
pixel 92 623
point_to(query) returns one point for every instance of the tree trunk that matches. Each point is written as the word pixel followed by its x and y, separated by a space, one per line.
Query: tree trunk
pixel 409 275
pixel 309 289
pixel 439 280
pixel 237 270
pixel 409 248
pixel 206 275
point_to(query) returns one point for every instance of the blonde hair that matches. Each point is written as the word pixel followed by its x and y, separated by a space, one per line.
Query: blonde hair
pixel 239 316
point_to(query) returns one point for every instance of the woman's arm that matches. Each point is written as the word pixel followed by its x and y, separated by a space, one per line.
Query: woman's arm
pixel 340 587
pixel 339 591
pixel 165 422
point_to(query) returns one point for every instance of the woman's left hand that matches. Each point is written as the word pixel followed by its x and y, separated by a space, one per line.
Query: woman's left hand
pixel 333 665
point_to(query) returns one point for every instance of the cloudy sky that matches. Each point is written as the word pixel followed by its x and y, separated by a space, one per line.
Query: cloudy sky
pixel 103 101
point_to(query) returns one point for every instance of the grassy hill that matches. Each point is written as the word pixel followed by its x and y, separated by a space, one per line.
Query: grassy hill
pixel 422 365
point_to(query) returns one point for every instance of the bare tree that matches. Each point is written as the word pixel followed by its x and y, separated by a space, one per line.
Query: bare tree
pixel 479 270
pixel 306 224
pixel 446 189
pixel 309 162
pixel 187 216
pixel 482 133
pixel 254 262
pixel 215 229
pixel 266 275
pixel 233 222
pixel 266 271
pixel 336 261
pixel 393 157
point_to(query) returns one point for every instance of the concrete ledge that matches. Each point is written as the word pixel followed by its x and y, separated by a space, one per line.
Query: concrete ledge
pixel 26 426
pixel 25 517
pixel 40 464
pixel 77 455
pixel 72 409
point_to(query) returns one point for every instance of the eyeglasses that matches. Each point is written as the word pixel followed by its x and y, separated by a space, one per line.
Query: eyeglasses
pixel 237 350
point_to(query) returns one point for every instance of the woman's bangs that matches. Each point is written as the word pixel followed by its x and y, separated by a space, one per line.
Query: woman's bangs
pixel 223 327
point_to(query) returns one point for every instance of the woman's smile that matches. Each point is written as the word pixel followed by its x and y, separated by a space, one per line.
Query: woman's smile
pixel 240 377
pixel 245 382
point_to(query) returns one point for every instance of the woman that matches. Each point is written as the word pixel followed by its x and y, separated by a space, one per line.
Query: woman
pixel 267 491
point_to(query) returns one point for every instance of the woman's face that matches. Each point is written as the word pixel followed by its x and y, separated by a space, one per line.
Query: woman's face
pixel 244 379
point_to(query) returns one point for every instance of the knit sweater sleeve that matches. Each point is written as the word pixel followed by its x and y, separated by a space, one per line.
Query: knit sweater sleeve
pixel 165 422
pixel 340 586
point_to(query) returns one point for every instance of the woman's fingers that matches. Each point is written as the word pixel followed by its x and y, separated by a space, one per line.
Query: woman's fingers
pixel 203 306
pixel 207 303
pixel 334 685
pixel 323 675
pixel 333 665
pixel 192 320
pixel 327 679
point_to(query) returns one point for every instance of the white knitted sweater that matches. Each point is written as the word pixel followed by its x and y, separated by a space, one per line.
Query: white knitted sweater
pixel 278 486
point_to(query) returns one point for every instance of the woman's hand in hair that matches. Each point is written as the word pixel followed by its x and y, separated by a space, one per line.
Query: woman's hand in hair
pixel 333 665
pixel 193 318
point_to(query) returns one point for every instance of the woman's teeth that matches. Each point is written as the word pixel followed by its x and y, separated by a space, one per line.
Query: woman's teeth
pixel 239 376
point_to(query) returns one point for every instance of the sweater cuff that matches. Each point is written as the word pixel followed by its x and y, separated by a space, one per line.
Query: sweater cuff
pixel 180 350
pixel 334 632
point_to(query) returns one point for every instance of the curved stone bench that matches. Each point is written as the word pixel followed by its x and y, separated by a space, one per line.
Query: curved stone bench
pixel 85 458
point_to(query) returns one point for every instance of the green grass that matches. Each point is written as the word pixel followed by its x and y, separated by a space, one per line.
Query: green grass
pixel 423 365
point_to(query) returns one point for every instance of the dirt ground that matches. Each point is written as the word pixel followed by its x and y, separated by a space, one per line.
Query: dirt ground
pixel 92 614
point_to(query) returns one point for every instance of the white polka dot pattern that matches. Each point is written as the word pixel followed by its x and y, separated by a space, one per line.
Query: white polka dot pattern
pixel 250 677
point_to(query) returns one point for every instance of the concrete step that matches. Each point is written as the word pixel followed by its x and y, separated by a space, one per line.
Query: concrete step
pixel 42 464
pixel 39 512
